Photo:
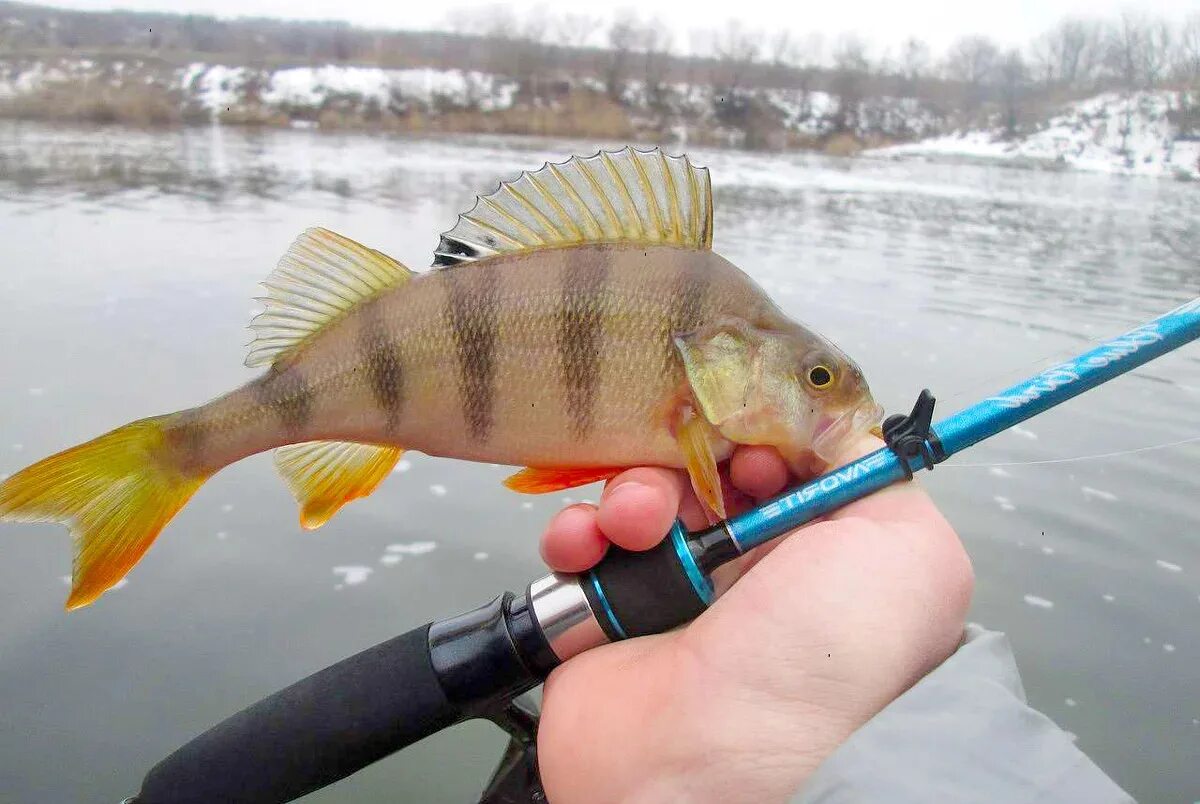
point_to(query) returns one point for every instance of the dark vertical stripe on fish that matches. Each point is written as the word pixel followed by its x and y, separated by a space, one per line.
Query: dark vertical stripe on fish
pixel 471 315
pixel 381 355
pixel 581 331
pixel 285 390
pixel 187 436
pixel 687 304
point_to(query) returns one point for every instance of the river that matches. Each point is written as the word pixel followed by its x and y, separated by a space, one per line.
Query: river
pixel 128 263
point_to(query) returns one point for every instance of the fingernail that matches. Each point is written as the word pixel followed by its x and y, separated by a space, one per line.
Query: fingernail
pixel 627 490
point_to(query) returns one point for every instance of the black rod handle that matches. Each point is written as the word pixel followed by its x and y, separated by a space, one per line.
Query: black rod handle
pixel 313 733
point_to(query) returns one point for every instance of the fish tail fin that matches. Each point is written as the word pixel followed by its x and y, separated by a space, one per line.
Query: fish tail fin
pixel 115 492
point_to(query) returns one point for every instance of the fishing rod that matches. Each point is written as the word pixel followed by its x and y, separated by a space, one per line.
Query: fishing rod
pixel 363 708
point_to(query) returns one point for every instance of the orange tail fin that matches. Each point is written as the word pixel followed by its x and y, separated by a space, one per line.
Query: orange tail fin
pixel 115 492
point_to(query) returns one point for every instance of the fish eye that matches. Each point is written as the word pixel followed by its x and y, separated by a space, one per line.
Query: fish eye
pixel 820 377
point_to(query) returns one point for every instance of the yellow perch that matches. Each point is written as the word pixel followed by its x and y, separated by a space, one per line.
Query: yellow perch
pixel 576 322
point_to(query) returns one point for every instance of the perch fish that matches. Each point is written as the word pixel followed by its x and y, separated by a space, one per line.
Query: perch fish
pixel 575 322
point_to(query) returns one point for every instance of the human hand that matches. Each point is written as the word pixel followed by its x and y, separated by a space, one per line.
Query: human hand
pixel 823 629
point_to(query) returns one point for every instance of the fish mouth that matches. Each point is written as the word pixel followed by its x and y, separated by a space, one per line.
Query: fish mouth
pixel 831 431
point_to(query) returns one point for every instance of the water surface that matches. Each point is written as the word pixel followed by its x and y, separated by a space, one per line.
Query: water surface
pixel 128 263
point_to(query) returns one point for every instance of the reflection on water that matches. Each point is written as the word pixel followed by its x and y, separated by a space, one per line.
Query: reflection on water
pixel 129 260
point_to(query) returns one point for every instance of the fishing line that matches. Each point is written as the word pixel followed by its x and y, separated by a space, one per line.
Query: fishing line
pixel 1116 454
pixel 1057 356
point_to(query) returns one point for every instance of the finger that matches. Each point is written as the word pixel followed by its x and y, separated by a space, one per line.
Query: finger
pixel 638 506
pixel 758 471
pixel 692 512
pixel 572 542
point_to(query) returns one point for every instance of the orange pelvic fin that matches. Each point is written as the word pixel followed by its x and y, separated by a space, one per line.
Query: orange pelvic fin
pixel 544 481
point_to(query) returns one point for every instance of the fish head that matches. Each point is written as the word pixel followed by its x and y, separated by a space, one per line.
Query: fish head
pixel 786 387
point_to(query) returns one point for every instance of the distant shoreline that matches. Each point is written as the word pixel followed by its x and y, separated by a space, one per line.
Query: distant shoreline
pixel 1112 132
pixel 340 97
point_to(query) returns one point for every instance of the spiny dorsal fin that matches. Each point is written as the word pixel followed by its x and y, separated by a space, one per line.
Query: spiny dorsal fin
pixel 318 280
pixel 325 475
pixel 625 196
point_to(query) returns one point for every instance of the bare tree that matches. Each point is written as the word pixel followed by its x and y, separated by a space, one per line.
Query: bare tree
pixel 851 67
pixel 574 30
pixel 973 61
pixel 495 20
pixel 1013 77
pixel 783 49
pixel 1187 53
pixel 803 56
pixel 535 27
pixel 654 43
pixel 1070 54
pixel 622 39
pixel 735 49
pixel 1138 50
pixel 913 64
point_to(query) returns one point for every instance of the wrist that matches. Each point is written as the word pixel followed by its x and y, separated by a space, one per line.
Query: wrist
pixel 722 740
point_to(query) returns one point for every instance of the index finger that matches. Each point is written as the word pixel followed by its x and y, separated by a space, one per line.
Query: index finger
pixel 639 505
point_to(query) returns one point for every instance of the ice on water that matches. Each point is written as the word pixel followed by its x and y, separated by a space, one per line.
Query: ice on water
pixel 412 548
pixel 1098 494
pixel 352 575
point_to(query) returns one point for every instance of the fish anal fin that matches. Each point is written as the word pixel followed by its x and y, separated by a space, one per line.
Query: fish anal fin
pixel 543 481
pixel 320 278
pixel 695 436
pixel 325 475
pixel 626 196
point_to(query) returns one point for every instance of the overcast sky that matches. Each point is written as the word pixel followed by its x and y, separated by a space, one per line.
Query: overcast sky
pixel 881 22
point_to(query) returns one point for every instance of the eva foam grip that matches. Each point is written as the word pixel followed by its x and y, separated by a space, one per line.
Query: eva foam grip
pixel 647 592
pixel 313 733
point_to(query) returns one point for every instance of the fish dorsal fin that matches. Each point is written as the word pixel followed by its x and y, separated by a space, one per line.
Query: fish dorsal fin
pixel 626 196
pixel 318 280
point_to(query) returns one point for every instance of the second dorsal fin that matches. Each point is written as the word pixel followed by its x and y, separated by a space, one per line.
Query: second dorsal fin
pixel 626 196
pixel 320 278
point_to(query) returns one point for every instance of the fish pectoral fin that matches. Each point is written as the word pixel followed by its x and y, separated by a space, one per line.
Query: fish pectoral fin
pixel 532 480
pixel 320 278
pixel 325 475
pixel 695 436
pixel 626 196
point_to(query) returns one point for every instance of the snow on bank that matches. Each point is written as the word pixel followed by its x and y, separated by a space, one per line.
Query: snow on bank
pixel 218 87
pixel 1109 133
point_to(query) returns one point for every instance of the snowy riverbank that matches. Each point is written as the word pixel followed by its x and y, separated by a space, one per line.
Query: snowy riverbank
pixel 1128 134
pixel 349 96
pixel 1109 133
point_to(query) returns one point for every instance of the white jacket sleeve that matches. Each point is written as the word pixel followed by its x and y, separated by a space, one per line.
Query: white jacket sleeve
pixel 964 733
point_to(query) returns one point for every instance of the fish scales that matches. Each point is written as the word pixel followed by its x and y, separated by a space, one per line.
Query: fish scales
pixel 533 356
